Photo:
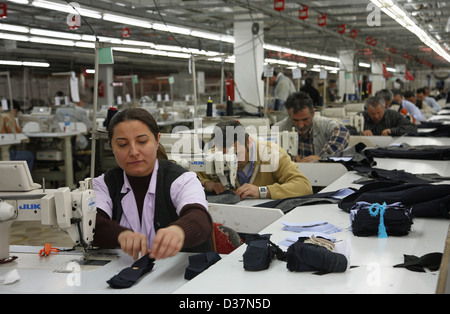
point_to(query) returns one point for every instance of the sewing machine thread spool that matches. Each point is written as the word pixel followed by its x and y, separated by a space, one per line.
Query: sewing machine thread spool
pixel 209 105
pixel 111 112
pixel 229 107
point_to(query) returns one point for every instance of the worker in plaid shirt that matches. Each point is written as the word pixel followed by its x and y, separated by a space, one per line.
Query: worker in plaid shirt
pixel 318 136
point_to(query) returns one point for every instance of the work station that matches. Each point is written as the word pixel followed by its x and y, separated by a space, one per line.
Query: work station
pixel 270 147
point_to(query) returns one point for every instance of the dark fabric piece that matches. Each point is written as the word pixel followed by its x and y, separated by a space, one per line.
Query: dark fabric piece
pixel 432 261
pixel 393 175
pixel 426 200
pixel 432 152
pixel 287 204
pixel 442 130
pixel 128 276
pixel 309 257
pixel 260 252
pixel 226 197
pixel 397 220
pixel 200 262
pixel 358 157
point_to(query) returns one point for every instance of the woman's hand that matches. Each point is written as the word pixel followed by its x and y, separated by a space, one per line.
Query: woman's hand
pixel 133 243
pixel 168 242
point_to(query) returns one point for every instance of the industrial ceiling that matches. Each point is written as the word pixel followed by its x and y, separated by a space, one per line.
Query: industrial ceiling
pixel 330 26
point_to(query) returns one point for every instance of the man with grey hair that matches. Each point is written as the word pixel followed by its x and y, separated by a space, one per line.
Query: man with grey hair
pixel 379 121
pixel 387 95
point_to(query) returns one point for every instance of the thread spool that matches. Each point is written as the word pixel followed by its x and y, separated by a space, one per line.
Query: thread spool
pixel 209 105
pixel 229 107
pixel 111 112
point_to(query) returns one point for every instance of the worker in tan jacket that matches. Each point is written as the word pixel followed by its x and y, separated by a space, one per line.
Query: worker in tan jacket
pixel 264 169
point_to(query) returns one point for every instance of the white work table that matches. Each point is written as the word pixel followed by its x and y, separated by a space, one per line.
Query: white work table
pixel 374 257
pixel 57 273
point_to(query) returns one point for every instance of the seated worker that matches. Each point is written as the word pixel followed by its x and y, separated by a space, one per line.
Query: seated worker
pixel 8 124
pixel 264 169
pixel 283 87
pixel 410 107
pixel 148 204
pixel 379 121
pixel 387 95
pixel 318 136
pixel 430 101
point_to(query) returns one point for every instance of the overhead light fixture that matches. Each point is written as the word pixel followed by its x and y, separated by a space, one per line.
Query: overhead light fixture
pixel 364 65
pixel 25 63
pixel 43 32
pixel 14 37
pixel 172 29
pixel 126 20
pixel 65 7
pixel 14 28
pixel 301 53
pixel 51 41
pixel 402 17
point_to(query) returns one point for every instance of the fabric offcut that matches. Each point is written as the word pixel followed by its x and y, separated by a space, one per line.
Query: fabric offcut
pixel 200 262
pixel 130 275
pixel 432 261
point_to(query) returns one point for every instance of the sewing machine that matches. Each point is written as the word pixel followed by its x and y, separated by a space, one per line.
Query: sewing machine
pixel 185 149
pixel 23 200
pixel 37 122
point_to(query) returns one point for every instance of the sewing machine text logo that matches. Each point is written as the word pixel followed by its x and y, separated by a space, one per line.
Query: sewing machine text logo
pixel 30 206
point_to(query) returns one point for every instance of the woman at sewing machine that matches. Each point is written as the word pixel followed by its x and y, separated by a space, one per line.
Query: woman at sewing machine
pixel 148 204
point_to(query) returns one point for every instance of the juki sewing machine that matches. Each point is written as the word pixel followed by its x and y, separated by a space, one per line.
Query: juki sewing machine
pixel 185 149
pixel 23 200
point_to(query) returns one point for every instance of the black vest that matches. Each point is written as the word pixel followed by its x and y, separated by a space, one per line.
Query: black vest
pixel 165 211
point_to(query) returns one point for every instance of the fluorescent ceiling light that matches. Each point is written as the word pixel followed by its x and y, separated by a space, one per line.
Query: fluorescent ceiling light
pixel 36 64
pixel 126 20
pixel 172 29
pixel 25 63
pixel 401 16
pixel 14 28
pixel 14 37
pixel 300 53
pixel 51 41
pixel 364 65
pixel 6 62
pixel 43 32
pixel 64 7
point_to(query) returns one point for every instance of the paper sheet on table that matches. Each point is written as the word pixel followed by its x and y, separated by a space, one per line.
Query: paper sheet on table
pixel 317 226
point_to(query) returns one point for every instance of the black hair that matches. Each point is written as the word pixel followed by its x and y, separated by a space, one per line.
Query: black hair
pixel 298 101
pixel 227 132
pixel 139 114
pixel 409 93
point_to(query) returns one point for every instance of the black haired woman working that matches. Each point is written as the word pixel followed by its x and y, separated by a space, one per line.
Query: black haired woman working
pixel 148 204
